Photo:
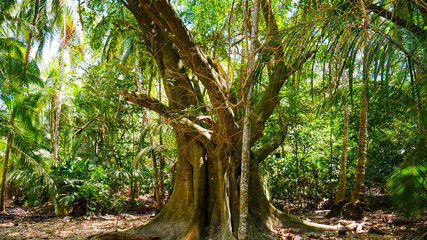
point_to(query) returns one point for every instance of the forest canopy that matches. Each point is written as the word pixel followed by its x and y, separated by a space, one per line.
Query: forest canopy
pixel 229 110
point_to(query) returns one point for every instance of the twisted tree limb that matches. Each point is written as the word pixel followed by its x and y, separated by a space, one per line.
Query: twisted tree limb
pixel 176 118
pixel 162 13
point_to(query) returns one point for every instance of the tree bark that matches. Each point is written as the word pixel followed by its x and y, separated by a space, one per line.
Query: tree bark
pixel 354 210
pixel 31 36
pixel 58 103
pixel 246 148
pixel 5 165
pixel 339 202
pixel 161 157
pixel 340 196
pixel 363 124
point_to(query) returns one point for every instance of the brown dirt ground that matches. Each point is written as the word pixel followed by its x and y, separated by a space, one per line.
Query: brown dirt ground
pixel 375 225
pixel 41 223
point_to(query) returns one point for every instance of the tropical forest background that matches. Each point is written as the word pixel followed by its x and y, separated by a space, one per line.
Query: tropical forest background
pixel 69 138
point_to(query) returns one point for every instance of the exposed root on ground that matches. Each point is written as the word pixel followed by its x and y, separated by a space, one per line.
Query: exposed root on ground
pixel 260 228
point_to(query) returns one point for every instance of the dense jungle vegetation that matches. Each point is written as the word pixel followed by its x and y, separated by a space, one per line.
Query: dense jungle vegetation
pixel 217 108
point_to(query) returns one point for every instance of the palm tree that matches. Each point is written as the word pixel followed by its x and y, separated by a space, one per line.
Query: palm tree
pixel 12 117
pixel 66 27
pixel 393 41
pixel 19 108
pixel 354 209
pixel 401 26
pixel 340 194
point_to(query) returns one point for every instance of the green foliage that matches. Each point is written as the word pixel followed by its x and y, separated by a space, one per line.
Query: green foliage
pixel 408 185
pixel 85 187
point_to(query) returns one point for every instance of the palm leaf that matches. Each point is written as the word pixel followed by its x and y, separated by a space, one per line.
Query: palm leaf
pixel 144 153
pixel 408 185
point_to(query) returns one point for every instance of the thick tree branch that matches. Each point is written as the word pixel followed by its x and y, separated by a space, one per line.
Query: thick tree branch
pixel 274 38
pixel 147 102
pixel 81 129
pixel 415 29
pixel 172 70
pixel 270 98
pixel 159 19
pixel 195 127
pixel 281 71
pixel 165 16
pixel 162 13
pixel 155 105
pixel 267 148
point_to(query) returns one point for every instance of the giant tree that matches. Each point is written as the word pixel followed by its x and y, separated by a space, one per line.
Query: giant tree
pixel 208 128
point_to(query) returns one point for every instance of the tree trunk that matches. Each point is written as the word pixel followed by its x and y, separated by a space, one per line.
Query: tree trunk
pixel 331 145
pixel 205 201
pixel 251 40
pixel 343 166
pixel 5 166
pixel 363 134
pixel 354 210
pixel 161 190
pixel 339 202
pixel 58 103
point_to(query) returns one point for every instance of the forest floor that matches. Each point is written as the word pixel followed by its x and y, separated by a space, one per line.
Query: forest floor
pixel 41 223
pixel 377 224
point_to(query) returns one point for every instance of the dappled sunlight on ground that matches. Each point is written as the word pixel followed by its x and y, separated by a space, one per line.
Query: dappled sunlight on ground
pixel 375 225
pixel 41 223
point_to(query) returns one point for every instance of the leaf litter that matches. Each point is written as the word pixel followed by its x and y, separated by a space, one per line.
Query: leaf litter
pixel 41 223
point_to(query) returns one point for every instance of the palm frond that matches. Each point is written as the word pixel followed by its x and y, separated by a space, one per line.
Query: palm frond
pixel 140 158
pixel 63 202
pixel 408 185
